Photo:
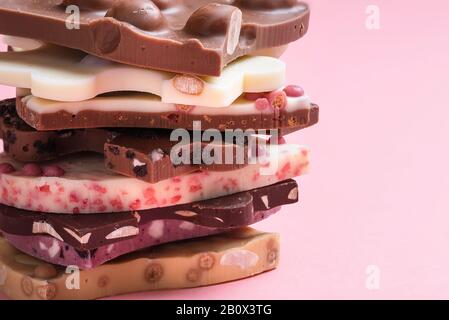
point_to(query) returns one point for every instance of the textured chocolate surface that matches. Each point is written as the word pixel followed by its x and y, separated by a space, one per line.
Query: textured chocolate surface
pixel 224 213
pixel 140 153
pixel 284 120
pixel 191 263
pixel 155 34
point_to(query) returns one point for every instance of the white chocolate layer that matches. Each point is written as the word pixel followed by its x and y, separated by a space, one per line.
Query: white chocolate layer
pixel 87 187
pixel 146 103
pixel 21 44
pixel 63 74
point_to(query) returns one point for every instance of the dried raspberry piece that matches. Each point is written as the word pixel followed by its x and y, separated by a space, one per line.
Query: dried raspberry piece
pixel 32 170
pixel 6 168
pixel 277 99
pixel 53 171
pixel 262 104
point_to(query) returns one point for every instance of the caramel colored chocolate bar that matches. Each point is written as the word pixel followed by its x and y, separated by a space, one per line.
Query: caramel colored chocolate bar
pixel 84 232
pixel 191 263
pixel 183 36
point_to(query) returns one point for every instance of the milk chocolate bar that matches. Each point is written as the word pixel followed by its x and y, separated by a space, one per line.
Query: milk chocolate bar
pixel 81 184
pixel 140 153
pixel 191 263
pixel 184 36
pixel 88 232
pixel 130 110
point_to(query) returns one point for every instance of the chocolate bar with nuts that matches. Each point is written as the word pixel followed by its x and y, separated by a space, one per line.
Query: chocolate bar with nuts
pixel 155 34
pixel 191 263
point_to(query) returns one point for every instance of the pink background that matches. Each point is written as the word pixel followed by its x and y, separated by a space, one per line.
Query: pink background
pixel 378 193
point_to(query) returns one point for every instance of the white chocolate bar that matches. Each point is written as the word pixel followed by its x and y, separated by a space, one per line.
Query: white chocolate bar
pixel 21 44
pixel 63 74
pixel 147 103
pixel 193 263
pixel 88 187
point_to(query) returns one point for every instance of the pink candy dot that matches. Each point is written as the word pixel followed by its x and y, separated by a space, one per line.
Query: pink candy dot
pixel 280 140
pixel 277 99
pixel 253 96
pixel 6 168
pixel 53 171
pixel 262 104
pixel 294 91
pixel 32 170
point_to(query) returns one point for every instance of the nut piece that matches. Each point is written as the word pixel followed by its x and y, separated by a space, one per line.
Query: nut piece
pixel 235 26
pixel 45 271
pixel 46 292
pixel 188 84
pixel 206 261
pixel 272 256
pixel 154 273
pixel 143 14
pixel 217 19
pixel 27 286
pixel 186 213
pixel 103 281
pixel 193 275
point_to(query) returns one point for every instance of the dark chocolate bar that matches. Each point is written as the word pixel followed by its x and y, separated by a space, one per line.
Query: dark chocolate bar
pixel 87 232
pixel 183 36
pixel 140 153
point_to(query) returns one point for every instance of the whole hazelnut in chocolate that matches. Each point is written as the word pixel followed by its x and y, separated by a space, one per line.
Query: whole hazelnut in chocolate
pixel 266 4
pixel 217 19
pixel 90 4
pixel 143 14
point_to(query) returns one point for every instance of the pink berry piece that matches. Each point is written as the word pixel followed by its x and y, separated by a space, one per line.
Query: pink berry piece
pixel 253 96
pixel 262 104
pixel 294 91
pixel 53 171
pixel 32 170
pixel 277 100
pixel 280 140
pixel 6 167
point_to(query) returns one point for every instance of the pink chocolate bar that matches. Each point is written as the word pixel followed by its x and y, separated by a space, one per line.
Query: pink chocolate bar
pixel 87 187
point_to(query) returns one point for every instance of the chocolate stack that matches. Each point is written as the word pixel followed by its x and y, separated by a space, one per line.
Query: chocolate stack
pixel 106 181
